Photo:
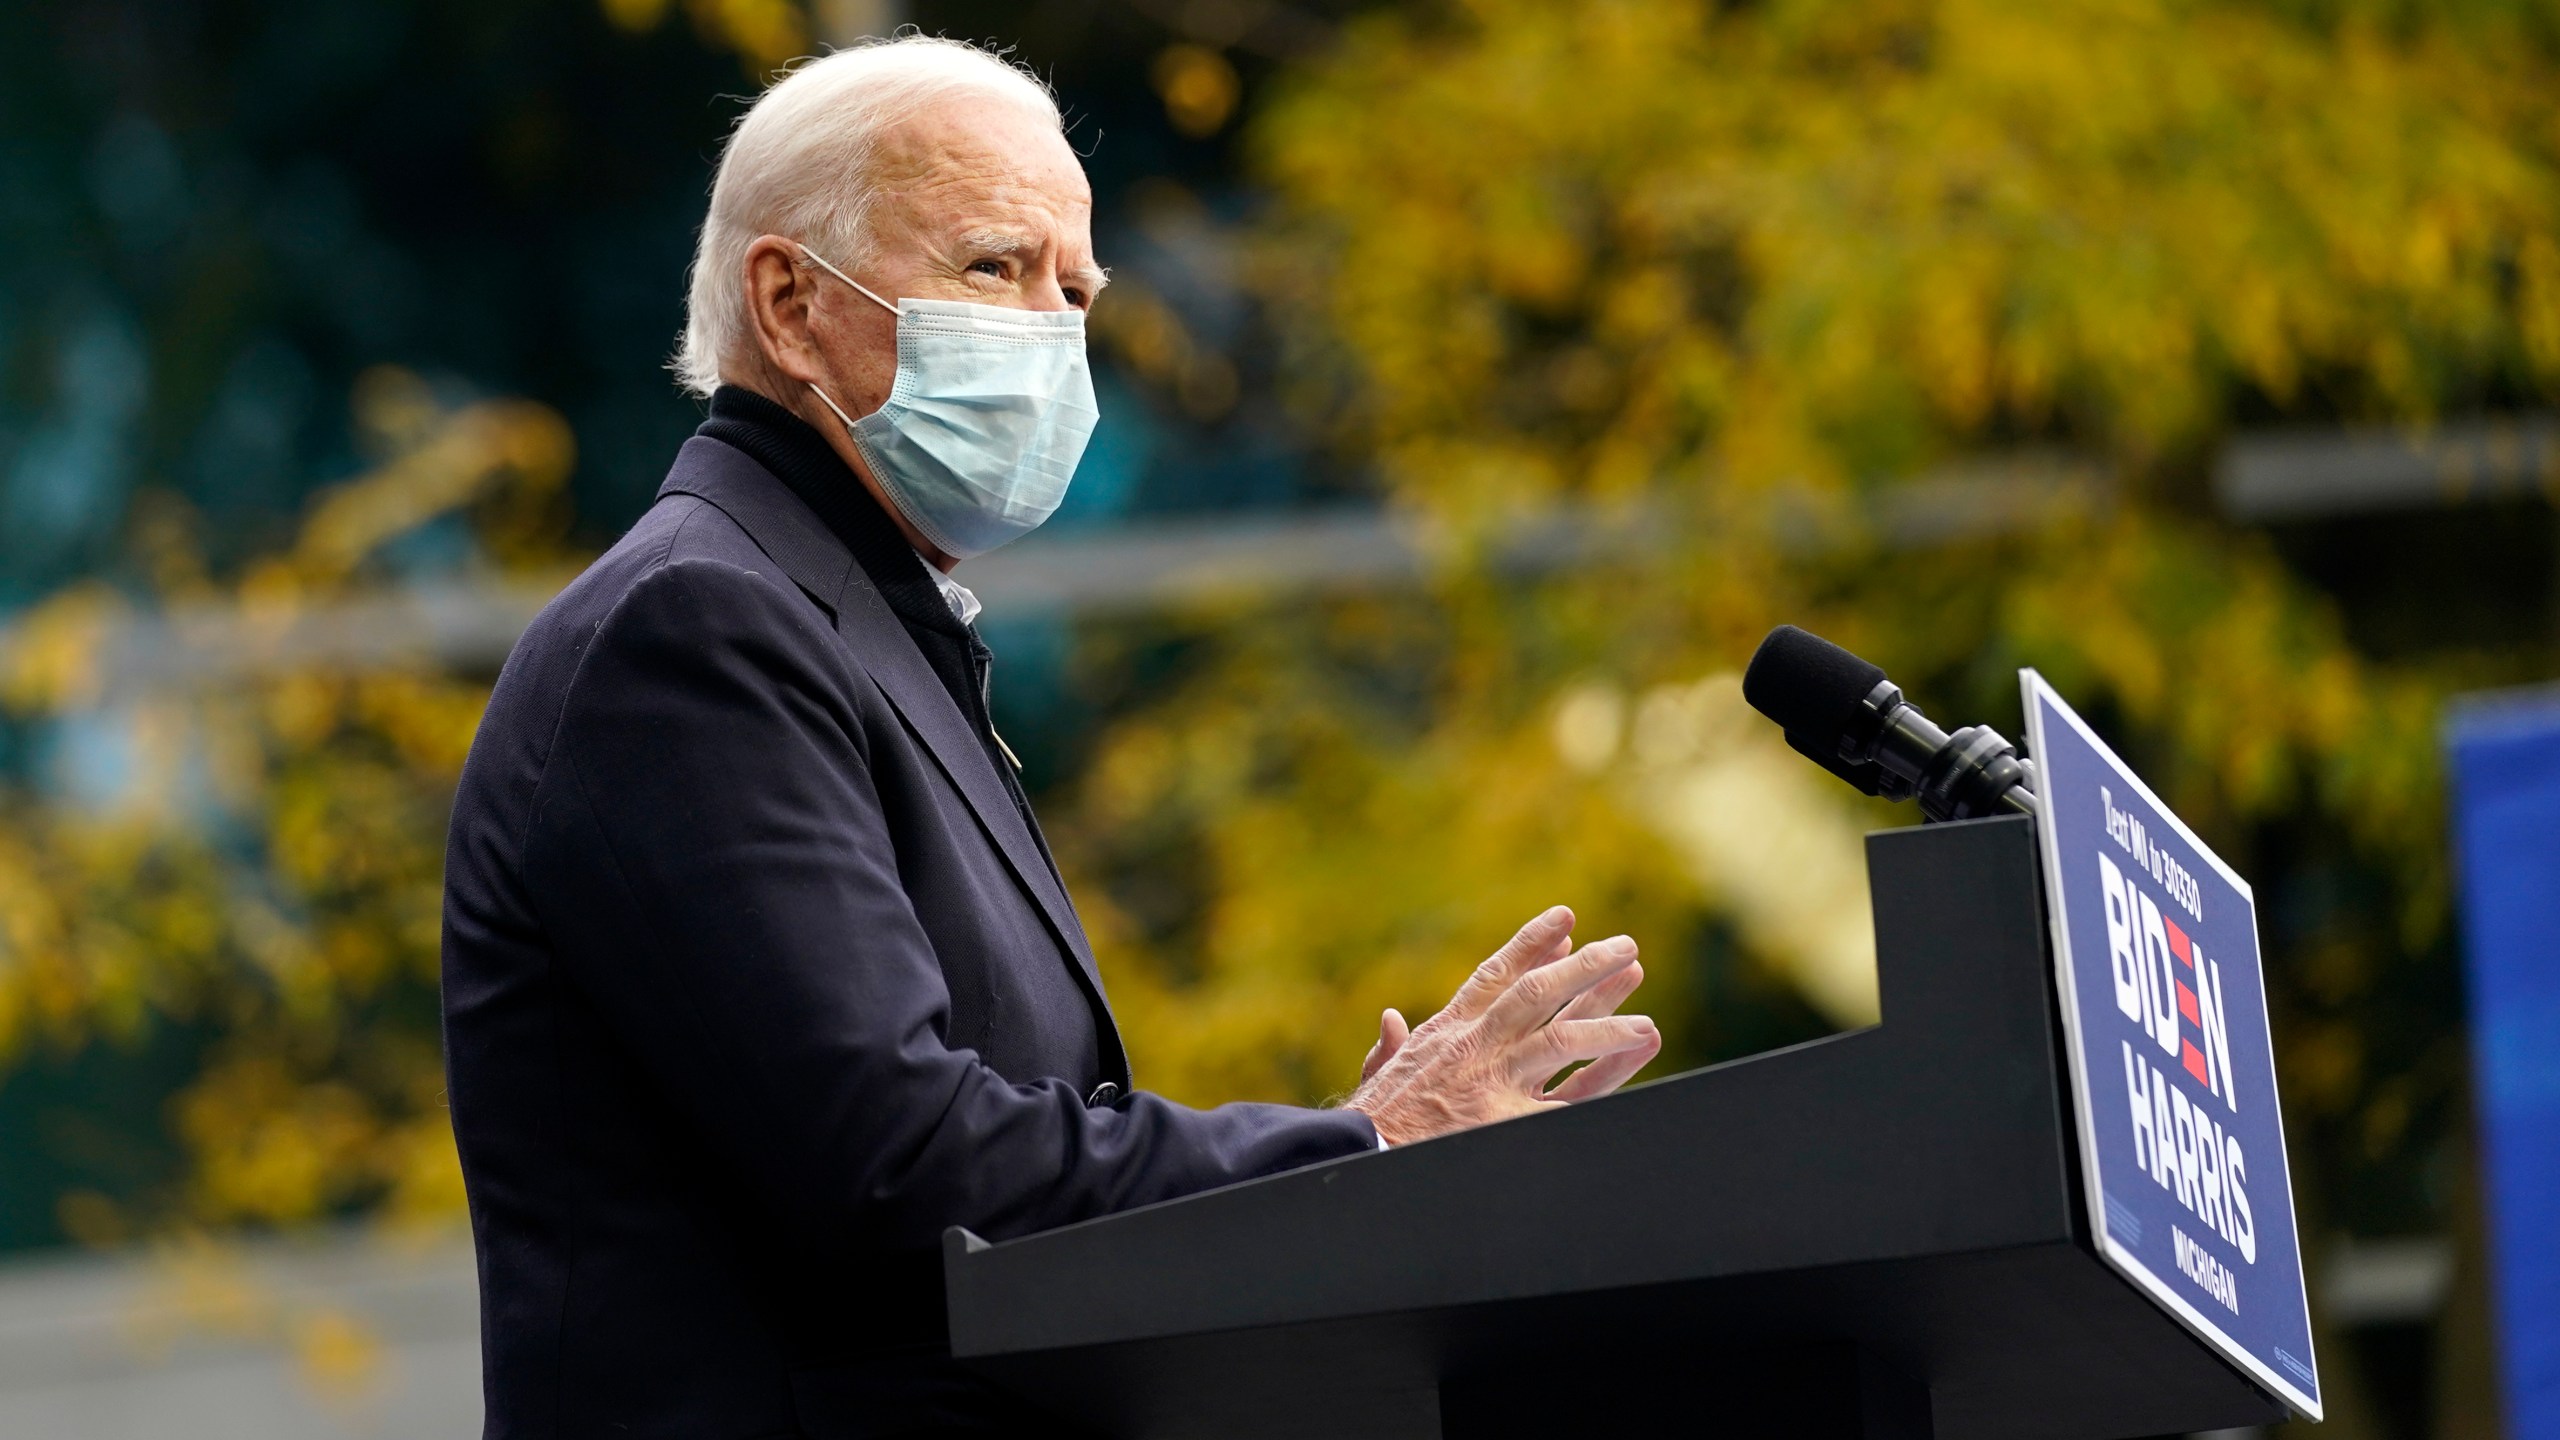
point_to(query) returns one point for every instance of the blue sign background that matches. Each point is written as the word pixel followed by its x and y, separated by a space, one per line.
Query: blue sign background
pixel 2507 807
pixel 2177 945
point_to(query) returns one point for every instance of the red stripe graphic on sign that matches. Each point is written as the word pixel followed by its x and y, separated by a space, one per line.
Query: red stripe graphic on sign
pixel 2178 942
pixel 2187 1005
pixel 2194 1059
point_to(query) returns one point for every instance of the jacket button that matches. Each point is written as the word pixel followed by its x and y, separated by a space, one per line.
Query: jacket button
pixel 1106 1093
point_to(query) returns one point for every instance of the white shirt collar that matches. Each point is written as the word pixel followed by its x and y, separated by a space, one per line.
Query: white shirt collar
pixel 954 594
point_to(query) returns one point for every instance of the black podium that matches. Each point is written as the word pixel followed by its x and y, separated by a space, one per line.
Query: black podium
pixel 1876 1234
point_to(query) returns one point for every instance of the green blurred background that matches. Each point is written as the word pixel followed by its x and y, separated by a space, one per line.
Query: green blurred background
pixel 1481 378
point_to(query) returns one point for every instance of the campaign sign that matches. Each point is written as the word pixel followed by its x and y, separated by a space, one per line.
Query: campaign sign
pixel 2172 1067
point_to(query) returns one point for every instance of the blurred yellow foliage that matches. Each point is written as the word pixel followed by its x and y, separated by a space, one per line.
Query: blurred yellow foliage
pixel 339 1355
pixel 1810 242
pixel 1721 270
pixel 55 658
pixel 1704 272
pixel 272 872
pixel 1199 87
pixel 202 1286
pixel 766 34
pixel 1326 870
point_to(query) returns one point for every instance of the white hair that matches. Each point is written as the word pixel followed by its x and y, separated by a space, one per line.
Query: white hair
pixel 800 165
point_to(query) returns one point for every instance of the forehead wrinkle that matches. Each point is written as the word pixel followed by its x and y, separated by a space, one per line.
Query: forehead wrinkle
pixel 985 197
pixel 991 215
pixel 935 151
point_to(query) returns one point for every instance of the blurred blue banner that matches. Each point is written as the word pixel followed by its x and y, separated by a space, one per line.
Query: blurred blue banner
pixel 2506 764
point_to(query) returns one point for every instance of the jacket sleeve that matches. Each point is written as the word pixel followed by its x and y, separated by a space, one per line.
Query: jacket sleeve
pixel 714 868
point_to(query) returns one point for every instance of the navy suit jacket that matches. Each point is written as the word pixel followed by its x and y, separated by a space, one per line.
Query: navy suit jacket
pixel 755 979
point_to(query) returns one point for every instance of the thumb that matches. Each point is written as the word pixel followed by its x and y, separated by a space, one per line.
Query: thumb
pixel 1392 1033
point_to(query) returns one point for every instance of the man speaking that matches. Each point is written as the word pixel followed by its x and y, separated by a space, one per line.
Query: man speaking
pixel 757 970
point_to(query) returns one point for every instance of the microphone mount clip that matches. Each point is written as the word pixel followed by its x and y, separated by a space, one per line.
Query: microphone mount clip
pixel 1975 771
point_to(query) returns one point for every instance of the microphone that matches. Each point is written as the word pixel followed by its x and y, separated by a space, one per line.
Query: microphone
pixel 1843 714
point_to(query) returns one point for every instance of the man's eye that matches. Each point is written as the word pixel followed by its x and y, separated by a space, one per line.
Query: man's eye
pixel 989 267
pixel 1078 298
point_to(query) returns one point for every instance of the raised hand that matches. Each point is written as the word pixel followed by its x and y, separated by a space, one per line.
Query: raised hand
pixel 1535 1007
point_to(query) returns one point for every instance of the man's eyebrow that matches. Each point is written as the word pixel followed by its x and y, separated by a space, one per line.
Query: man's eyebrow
pixel 997 242
pixel 982 244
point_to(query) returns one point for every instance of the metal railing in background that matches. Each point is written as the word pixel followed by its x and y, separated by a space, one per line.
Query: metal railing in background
pixel 2321 474
pixel 2261 479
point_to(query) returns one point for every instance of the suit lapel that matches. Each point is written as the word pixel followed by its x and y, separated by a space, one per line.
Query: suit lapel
pixel 899 669
pixel 821 565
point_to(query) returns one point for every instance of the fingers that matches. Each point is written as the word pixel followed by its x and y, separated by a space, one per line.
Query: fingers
pixel 1536 997
pixel 1392 1033
pixel 1566 1041
pixel 1604 1075
pixel 1539 935
pixel 1540 942
pixel 1605 997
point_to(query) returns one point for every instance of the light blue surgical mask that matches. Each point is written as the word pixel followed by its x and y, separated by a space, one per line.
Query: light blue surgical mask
pixel 985 423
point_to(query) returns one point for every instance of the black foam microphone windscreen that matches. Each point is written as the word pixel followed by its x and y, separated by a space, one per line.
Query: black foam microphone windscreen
pixel 1810 686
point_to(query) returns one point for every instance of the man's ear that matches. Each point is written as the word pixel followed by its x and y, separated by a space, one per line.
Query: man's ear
pixel 779 292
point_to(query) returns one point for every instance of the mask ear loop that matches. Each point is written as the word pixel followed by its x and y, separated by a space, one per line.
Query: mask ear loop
pixel 821 262
pixel 829 401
